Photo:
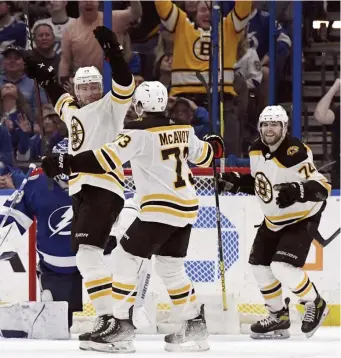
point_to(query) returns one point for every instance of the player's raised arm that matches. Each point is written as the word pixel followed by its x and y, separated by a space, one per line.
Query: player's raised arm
pixel 122 80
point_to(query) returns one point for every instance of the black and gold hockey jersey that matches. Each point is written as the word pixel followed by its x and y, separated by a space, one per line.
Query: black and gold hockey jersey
pixel 291 162
pixel 192 46
pixel 93 125
pixel 163 179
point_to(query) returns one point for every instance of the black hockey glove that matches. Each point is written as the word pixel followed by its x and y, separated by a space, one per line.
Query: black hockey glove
pixel 56 164
pixel 228 182
pixel 289 194
pixel 36 69
pixel 108 41
pixel 217 144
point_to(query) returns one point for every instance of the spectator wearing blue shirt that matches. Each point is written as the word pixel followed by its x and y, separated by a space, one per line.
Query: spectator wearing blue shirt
pixel 12 30
pixel 258 34
pixel 6 149
pixel 12 108
pixel 185 111
pixel 30 148
pixel 14 72
pixel 10 177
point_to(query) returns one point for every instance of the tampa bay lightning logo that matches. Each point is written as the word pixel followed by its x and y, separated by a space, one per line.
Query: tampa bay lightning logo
pixel 60 220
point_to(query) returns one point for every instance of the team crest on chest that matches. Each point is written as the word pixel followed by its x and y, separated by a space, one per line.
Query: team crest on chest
pixel 77 134
pixel 201 48
pixel 292 150
pixel 263 187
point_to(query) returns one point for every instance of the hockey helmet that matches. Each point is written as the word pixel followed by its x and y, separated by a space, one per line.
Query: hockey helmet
pixel 274 114
pixel 150 96
pixel 62 148
pixel 86 75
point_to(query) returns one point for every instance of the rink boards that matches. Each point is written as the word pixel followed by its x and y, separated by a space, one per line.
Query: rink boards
pixel 240 214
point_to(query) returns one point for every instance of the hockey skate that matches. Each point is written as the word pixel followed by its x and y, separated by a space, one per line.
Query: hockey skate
pixel 192 336
pixel 275 326
pixel 315 313
pixel 113 335
pixel 84 339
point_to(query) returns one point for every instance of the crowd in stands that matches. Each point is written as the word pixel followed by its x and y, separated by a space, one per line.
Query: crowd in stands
pixel 162 40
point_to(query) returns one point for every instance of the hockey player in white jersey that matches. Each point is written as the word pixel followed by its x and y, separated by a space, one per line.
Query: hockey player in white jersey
pixel 292 195
pixel 158 152
pixel 92 121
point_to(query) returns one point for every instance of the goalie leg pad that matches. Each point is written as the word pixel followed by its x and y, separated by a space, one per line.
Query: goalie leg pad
pixel 61 287
pixel 39 320
pixel 97 277
pixel 179 286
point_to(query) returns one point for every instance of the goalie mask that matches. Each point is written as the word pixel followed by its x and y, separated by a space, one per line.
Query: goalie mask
pixel 273 125
pixel 62 148
pixel 88 85
pixel 150 96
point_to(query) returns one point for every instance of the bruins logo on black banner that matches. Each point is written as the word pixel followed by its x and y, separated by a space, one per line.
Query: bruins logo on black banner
pixel 77 134
pixel 263 187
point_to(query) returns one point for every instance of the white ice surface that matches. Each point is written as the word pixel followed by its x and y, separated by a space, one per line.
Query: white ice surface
pixel 325 343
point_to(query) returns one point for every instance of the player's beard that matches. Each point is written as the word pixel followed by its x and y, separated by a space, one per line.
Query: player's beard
pixel 273 139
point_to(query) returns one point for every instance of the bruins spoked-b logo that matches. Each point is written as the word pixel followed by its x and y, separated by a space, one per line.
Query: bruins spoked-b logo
pixel 77 134
pixel 263 187
pixel 201 48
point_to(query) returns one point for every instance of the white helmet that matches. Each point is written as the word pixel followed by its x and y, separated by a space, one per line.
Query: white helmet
pixel 274 114
pixel 150 96
pixel 87 75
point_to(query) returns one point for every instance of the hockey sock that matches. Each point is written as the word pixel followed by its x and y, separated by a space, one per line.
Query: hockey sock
pixel 296 279
pixel 97 278
pixel 125 268
pixel 269 286
pixel 305 289
pixel 179 286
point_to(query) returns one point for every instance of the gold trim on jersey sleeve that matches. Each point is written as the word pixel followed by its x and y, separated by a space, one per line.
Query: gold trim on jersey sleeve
pixel 121 94
pixel 102 161
pixel 206 157
pixel 112 155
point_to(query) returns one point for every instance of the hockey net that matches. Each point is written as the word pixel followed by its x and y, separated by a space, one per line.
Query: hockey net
pixel 202 263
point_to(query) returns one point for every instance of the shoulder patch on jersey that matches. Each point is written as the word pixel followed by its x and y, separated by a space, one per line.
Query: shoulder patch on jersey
pixel 292 150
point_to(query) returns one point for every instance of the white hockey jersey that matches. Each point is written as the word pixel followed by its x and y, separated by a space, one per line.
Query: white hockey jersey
pixel 291 162
pixel 250 68
pixel 163 180
pixel 92 126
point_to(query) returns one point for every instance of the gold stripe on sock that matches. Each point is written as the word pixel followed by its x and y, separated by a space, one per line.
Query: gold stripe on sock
pixel 180 290
pixel 101 281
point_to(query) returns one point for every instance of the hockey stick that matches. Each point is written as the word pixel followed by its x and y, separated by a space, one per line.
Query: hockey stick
pixel 16 197
pixel 140 315
pixel 201 78
pixel 222 83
